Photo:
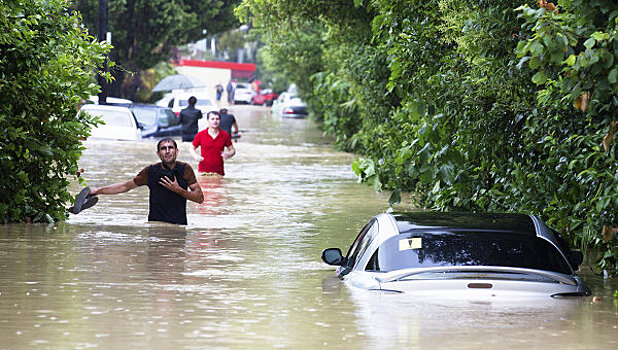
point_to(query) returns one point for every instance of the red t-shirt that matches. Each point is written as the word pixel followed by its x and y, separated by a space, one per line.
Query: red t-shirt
pixel 211 150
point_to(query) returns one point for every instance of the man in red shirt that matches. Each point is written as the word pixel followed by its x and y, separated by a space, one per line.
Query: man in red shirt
pixel 213 142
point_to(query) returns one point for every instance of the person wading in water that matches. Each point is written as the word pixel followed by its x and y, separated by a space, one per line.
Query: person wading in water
pixel 188 118
pixel 215 145
pixel 170 183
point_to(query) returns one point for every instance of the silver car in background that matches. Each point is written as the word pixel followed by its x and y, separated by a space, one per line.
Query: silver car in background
pixel 460 255
pixel 289 105
pixel 119 123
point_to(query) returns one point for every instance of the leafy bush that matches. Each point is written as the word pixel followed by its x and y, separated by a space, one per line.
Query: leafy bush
pixel 572 50
pixel 46 65
pixel 473 104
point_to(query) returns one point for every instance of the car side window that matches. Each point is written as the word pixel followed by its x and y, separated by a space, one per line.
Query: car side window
pixel 373 264
pixel 360 244
pixel 172 120
pixel 171 103
pixel 163 119
pixel 364 244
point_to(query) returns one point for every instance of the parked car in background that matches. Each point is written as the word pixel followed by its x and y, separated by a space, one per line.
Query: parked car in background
pixel 289 106
pixel 156 121
pixel 264 97
pixel 244 93
pixel 460 255
pixel 119 122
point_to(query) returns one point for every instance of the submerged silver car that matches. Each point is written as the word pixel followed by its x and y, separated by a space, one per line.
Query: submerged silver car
pixel 119 122
pixel 461 255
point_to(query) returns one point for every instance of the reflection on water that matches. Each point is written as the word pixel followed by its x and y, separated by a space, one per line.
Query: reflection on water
pixel 245 271
pixel 393 320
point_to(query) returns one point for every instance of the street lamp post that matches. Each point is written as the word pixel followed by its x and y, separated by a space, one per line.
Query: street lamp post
pixel 205 32
pixel 103 33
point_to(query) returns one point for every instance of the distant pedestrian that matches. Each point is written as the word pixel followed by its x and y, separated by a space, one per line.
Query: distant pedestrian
pixel 255 84
pixel 228 122
pixel 188 119
pixel 230 92
pixel 219 89
pixel 234 85
pixel 215 145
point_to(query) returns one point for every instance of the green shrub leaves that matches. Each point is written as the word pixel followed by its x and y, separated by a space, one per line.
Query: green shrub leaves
pixel 47 61
pixel 471 104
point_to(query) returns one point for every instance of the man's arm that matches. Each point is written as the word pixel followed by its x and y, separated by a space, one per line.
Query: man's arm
pixel 234 128
pixel 120 187
pixel 195 155
pixel 195 194
pixel 230 152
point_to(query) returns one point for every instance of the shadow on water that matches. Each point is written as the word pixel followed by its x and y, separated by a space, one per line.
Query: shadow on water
pixel 245 272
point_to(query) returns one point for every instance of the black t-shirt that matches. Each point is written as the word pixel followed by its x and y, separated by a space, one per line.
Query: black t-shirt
pixel 227 120
pixel 166 205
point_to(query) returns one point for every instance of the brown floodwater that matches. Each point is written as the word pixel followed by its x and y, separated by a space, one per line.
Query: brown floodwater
pixel 245 272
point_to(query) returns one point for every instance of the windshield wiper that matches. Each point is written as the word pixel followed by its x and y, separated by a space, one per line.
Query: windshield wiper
pixel 401 274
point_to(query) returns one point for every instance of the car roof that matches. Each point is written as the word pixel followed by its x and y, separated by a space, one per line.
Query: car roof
pixel 499 222
pixel 105 107
pixel 116 100
pixel 145 105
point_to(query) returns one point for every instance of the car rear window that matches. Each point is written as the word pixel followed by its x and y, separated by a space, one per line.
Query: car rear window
pixel 467 248
pixel 147 116
pixel 113 118
pixel 200 102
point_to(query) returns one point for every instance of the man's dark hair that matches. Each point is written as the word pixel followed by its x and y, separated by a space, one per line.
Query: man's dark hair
pixel 166 140
pixel 192 101
pixel 212 112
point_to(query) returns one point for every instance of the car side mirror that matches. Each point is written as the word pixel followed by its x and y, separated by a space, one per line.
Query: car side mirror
pixel 141 126
pixel 332 256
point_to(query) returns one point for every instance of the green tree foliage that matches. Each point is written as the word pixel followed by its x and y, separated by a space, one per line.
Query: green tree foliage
pixel 266 70
pixel 46 65
pixel 145 32
pixel 467 104
pixel 326 49
pixel 230 42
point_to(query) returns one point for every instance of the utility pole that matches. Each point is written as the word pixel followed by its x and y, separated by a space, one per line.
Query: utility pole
pixel 102 37
pixel 205 31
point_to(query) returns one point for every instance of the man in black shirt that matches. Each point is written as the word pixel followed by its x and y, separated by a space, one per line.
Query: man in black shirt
pixel 170 183
pixel 188 118
pixel 228 122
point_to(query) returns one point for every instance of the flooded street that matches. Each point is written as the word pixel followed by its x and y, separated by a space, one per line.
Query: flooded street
pixel 245 273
